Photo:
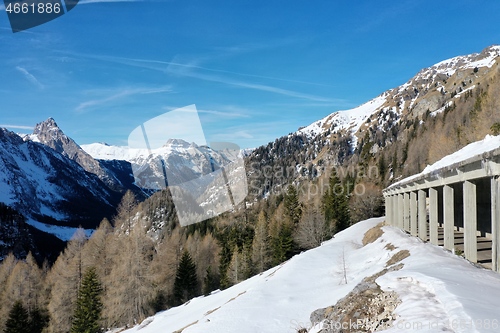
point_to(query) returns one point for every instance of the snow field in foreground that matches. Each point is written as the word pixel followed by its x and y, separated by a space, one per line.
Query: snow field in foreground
pixel 439 291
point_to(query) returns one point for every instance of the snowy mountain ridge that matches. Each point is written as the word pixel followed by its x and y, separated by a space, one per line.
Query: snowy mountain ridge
pixel 424 92
pixel 183 161
pixel 345 120
pixel 58 186
pixel 103 151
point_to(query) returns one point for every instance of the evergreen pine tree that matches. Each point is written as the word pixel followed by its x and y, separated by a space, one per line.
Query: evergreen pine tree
pixel 248 264
pixel 382 167
pixel 186 280
pixel 209 282
pixel 159 302
pixel 21 320
pixel 293 208
pixel 336 205
pixel 18 321
pixel 224 260
pixel 495 128
pixel 235 269
pixel 328 199
pixel 283 245
pixel 395 163
pixel 342 215
pixel 39 319
pixel 260 244
pixel 88 305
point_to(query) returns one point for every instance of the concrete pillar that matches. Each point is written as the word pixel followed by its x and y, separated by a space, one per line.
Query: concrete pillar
pixel 422 215
pixel 406 214
pixel 400 211
pixel 391 212
pixel 413 214
pixel 395 210
pixel 448 217
pixel 388 210
pixel 495 224
pixel 433 215
pixel 470 221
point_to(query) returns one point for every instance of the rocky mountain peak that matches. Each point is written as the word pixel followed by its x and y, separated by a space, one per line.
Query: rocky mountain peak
pixel 49 134
pixel 46 126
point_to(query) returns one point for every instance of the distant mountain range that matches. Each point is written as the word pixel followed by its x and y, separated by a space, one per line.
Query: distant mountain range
pixel 58 186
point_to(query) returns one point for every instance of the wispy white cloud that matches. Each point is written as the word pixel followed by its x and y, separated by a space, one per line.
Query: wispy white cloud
pixel 224 114
pixel 17 126
pixel 192 69
pixel 254 86
pixel 164 66
pixel 243 134
pixel 339 104
pixel 227 111
pixel 251 136
pixel 386 15
pixel 177 68
pixel 30 77
pixel 119 95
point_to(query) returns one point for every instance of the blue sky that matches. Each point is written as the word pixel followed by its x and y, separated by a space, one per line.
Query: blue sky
pixel 256 70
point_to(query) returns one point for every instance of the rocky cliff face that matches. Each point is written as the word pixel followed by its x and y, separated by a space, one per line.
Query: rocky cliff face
pixel 48 133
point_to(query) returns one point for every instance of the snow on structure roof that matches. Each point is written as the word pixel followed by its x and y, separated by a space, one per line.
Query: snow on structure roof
pixel 489 145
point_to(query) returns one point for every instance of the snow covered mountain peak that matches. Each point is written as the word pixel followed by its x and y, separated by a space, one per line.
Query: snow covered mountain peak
pixel 427 91
pixel 179 143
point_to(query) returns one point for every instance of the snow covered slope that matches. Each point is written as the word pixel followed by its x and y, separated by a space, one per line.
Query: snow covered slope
pixel 439 291
pixel 345 120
